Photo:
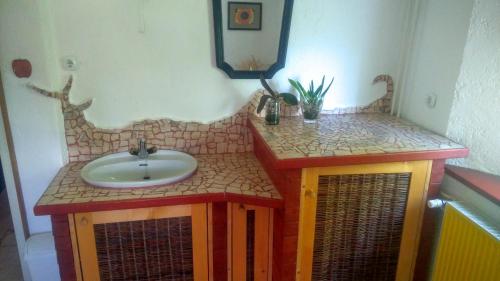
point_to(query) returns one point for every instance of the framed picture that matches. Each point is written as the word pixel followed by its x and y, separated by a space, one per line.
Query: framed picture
pixel 244 15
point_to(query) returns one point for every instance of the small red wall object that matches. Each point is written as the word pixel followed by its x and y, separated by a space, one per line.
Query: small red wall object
pixel 21 68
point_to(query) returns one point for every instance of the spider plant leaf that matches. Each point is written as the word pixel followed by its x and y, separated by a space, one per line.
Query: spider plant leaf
pixel 266 86
pixel 262 102
pixel 289 98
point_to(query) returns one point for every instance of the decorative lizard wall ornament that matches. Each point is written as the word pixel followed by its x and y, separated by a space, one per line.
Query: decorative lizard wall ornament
pixel 70 111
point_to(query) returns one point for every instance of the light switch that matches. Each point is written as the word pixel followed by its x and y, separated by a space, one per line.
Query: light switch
pixel 431 100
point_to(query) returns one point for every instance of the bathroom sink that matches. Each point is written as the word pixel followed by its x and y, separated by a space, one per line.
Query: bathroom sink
pixel 122 170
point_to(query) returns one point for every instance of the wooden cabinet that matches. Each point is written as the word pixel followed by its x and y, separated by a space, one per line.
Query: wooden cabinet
pixel 171 243
pixel 361 222
pixel 161 243
pixel 250 230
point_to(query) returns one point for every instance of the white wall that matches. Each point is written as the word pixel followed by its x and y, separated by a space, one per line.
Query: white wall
pixel 475 115
pixel 169 70
pixel 435 63
pixel 352 40
pixel 36 121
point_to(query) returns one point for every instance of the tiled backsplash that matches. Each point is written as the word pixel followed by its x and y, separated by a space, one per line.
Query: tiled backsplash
pixel 86 142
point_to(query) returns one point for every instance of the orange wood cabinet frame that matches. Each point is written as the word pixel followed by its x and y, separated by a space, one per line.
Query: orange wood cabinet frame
pixel 420 176
pixel 84 245
pixel 237 242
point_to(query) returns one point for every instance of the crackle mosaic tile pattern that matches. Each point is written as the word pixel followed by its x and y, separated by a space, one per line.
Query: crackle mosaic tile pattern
pixel 348 134
pixel 86 142
pixel 237 173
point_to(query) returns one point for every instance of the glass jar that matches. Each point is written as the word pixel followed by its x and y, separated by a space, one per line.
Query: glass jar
pixel 272 112
pixel 311 111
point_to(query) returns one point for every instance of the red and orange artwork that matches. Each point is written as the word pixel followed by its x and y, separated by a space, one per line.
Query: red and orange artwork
pixel 244 16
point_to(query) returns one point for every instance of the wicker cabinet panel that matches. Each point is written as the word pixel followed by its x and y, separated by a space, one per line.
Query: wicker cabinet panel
pixel 164 243
pixel 158 249
pixel 250 230
pixel 361 222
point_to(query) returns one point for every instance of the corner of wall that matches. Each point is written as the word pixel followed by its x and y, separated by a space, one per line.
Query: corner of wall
pixel 475 106
pixel 435 61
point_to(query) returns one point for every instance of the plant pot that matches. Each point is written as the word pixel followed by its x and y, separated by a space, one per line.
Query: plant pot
pixel 273 112
pixel 311 112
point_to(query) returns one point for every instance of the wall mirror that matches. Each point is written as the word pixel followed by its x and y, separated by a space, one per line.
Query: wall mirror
pixel 251 37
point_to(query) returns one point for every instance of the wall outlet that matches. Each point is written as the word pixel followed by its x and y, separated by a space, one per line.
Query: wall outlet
pixel 70 63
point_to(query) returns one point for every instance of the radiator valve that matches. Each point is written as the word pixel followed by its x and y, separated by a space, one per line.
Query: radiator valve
pixel 436 203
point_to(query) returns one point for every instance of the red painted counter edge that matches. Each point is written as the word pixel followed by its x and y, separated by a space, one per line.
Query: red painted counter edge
pixel 61 209
pixel 430 223
pixel 64 247
pixel 296 163
pixel 485 184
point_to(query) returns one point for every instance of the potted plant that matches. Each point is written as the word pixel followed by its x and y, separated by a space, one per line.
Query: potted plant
pixel 311 100
pixel 272 102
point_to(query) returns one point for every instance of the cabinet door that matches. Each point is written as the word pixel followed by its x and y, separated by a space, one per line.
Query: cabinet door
pixel 361 222
pixel 163 243
pixel 250 243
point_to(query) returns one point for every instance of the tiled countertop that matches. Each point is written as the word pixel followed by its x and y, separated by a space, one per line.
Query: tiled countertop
pixel 234 177
pixel 352 136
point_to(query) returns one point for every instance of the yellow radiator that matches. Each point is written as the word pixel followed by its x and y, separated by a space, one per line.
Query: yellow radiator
pixel 469 248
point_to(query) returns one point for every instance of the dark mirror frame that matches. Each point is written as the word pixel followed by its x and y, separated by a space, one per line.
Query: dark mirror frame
pixel 241 74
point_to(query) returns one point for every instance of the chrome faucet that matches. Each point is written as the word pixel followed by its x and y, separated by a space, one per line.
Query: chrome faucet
pixel 143 151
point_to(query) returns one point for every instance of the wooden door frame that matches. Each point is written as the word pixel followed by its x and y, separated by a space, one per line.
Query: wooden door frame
pixel 13 161
pixel 237 241
pixel 84 245
pixel 417 193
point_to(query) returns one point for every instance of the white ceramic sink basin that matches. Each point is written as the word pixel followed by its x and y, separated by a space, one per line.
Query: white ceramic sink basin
pixel 122 170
